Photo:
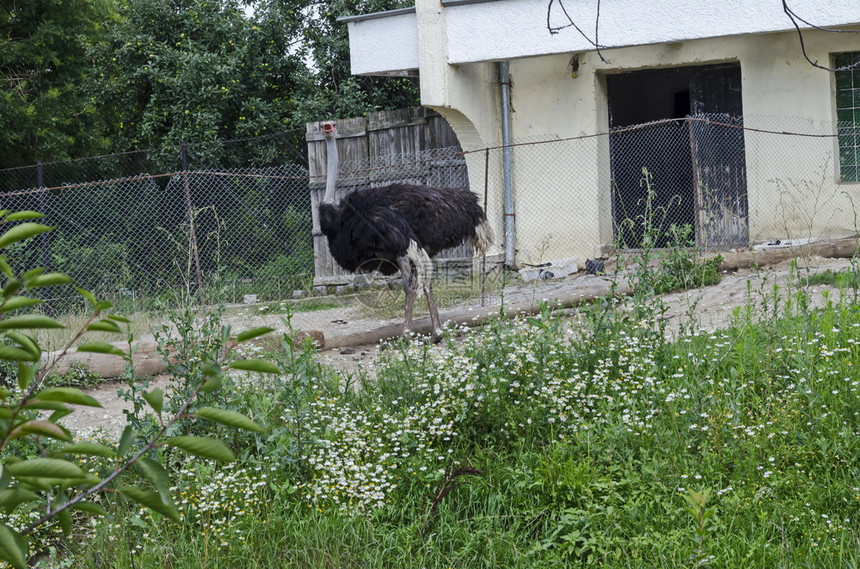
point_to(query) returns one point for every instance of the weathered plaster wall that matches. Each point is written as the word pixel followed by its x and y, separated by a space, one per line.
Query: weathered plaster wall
pixel 507 29
pixel 562 189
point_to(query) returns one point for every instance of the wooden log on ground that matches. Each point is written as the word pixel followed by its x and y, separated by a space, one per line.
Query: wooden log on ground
pixel 478 316
pixel 835 249
pixel 147 360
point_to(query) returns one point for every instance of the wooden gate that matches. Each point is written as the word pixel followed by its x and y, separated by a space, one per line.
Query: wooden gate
pixel 414 146
pixel 719 157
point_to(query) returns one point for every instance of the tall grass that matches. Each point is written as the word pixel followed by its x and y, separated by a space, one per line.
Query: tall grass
pixel 538 443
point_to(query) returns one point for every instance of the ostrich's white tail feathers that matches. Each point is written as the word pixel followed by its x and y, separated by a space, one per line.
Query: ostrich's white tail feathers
pixel 483 237
pixel 423 265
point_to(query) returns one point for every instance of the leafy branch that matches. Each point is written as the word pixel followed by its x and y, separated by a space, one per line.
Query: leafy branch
pixel 61 484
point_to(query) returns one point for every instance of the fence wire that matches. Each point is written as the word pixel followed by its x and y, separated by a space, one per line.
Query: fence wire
pixel 245 227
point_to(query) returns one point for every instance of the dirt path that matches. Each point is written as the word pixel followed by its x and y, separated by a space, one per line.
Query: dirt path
pixel 710 307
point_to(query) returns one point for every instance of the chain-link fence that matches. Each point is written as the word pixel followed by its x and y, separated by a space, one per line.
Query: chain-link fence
pixel 193 223
pixel 226 222
pixel 721 182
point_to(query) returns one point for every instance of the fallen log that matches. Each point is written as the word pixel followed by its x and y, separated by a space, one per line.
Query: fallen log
pixel 835 249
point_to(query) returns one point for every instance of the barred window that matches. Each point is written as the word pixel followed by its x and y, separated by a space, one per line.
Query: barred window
pixel 848 114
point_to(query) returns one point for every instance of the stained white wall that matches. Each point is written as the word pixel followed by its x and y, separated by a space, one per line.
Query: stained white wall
pixel 507 29
pixel 792 182
pixel 562 190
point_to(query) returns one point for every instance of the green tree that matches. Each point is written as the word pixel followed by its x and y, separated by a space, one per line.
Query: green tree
pixel 329 89
pixel 194 70
pixel 44 114
pixel 83 77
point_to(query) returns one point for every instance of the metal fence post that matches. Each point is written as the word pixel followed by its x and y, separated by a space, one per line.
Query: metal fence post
pixel 192 237
pixel 43 239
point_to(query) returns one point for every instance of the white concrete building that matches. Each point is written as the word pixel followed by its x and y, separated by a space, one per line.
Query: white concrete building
pixel 734 62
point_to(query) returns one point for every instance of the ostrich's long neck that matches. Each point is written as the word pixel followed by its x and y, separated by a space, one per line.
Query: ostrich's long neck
pixel 331 167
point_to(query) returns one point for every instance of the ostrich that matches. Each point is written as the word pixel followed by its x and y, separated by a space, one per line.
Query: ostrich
pixel 398 227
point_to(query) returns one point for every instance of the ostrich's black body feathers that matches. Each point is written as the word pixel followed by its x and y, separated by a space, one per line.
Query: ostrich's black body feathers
pixel 371 227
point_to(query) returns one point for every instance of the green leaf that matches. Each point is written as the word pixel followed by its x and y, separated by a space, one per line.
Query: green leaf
pixel 33 321
pixel 125 441
pixel 253 333
pixel 121 319
pixel 213 383
pixel 5 268
pixel 151 500
pixel 10 354
pixel 87 294
pixel 21 232
pixel 18 302
pixel 101 348
pixel 59 414
pixel 42 428
pixel 68 395
pixel 89 507
pixel 25 342
pixel 11 287
pixel 202 446
pixel 21 215
pixel 155 398
pixel 104 326
pixel 11 498
pixel 26 374
pixel 32 273
pixel 49 279
pixel 51 484
pixel 87 448
pixel 13 547
pixel 65 519
pixel 45 405
pixel 260 366
pixel 46 468
pixel 156 474
pixel 229 418
pixel 210 370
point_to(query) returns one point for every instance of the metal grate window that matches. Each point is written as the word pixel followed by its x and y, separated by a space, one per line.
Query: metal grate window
pixel 848 114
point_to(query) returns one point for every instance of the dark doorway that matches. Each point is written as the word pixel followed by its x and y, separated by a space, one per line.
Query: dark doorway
pixel 680 124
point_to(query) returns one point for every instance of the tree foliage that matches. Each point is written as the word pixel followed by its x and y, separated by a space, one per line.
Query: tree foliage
pixel 174 70
pixel 330 89
pixel 44 112
pixel 89 76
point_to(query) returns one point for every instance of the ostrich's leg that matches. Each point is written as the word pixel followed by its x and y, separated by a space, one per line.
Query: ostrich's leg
pixel 408 290
pixel 435 321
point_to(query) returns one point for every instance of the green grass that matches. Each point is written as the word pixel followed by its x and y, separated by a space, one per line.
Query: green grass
pixel 532 444
pixel 848 278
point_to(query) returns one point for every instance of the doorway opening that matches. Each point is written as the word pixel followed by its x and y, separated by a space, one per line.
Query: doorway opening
pixel 677 156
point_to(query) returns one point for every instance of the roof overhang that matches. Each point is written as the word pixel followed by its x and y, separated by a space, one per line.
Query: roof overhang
pixel 388 43
pixel 384 43
pixel 508 29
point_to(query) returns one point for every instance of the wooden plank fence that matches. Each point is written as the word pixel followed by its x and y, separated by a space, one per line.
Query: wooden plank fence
pixel 415 146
